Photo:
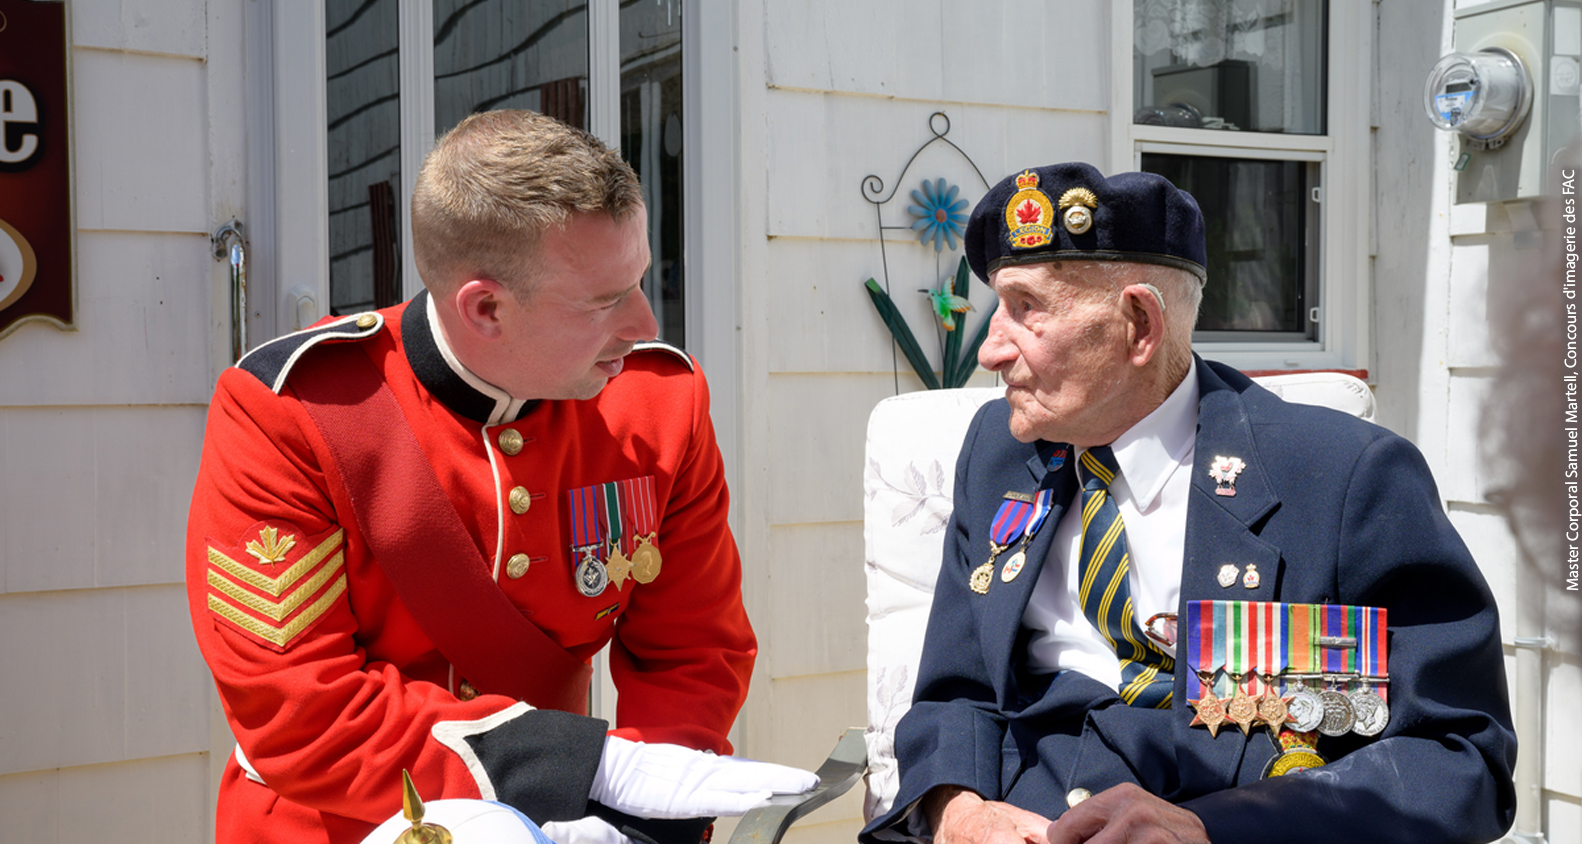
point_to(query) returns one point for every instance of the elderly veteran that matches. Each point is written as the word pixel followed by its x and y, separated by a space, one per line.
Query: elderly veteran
pixel 1173 607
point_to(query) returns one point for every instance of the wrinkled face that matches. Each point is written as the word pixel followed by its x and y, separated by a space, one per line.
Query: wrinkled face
pixel 1059 342
pixel 585 310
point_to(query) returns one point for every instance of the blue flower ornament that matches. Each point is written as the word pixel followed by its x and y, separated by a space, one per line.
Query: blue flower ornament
pixel 940 215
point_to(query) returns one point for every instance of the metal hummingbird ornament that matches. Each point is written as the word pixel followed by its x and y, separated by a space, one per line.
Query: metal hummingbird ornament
pixel 947 304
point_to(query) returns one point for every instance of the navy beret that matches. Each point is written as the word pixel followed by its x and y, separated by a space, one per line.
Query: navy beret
pixel 1071 212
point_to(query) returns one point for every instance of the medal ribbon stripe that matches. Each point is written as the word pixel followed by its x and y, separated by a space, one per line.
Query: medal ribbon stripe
pixel 587 520
pixel 1200 643
pixel 1221 639
pixel 1105 592
pixel 615 531
pixel 639 495
pixel 1012 519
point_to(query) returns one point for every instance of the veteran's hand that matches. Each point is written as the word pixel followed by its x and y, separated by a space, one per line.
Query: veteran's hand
pixel 1127 814
pixel 960 816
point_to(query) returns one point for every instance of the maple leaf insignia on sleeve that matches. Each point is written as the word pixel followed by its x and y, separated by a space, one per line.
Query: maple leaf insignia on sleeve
pixel 272 549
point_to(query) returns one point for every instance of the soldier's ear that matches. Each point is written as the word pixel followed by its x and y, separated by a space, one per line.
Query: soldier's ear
pixel 477 304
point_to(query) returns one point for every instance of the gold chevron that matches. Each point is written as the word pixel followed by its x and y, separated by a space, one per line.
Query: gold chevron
pixel 279 636
pixel 277 610
pixel 276 585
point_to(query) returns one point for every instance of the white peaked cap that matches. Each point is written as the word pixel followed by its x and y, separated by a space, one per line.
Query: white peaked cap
pixel 469 822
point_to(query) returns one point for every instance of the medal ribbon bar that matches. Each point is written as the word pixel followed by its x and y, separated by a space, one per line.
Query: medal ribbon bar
pixel 587 520
pixel 1250 639
pixel 613 507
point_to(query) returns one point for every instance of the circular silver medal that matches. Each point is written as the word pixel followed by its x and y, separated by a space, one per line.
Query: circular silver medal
pixel 1372 712
pixel 1338 714
pixel 591 577
pixel 1306 711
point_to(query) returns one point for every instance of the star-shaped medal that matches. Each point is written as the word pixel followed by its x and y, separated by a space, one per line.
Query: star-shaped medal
pixel 1242 710
pixel 1210 712
pixel 1273 710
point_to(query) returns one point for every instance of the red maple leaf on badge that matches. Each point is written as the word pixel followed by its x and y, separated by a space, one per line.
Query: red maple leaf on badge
pixel 1027 212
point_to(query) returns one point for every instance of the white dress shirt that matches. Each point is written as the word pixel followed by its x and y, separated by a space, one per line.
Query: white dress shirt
pixel 1151 491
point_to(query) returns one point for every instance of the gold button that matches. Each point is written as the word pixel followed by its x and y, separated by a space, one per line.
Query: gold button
pixel 367 321
pixel 511 442
pixel 1075 796
pixel 520 500
pixel 517 565
pixel 466 692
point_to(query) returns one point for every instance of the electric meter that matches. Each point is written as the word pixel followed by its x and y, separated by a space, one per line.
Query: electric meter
pixel 1483 95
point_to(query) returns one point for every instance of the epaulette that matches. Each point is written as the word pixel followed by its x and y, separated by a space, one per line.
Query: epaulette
pixel 272 362
pixel 662 346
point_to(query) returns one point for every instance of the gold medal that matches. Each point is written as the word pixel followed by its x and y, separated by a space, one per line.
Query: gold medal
pixel 1293 761
pixel 981 577
pixel 645 559
pixel 617 565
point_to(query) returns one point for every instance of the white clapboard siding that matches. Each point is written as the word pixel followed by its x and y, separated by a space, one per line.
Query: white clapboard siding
pixel 110 719
pixel 1438 269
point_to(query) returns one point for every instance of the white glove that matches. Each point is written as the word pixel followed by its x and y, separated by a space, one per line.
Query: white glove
pixel 588 830
pixel 669 781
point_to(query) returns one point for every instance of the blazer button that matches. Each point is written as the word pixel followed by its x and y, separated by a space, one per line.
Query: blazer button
pixel 517 565
pixel 1075 796
pixel 520 500
pixel 466 692
pixel 511 442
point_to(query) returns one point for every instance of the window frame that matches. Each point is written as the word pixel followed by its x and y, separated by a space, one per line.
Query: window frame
pixel 1344 158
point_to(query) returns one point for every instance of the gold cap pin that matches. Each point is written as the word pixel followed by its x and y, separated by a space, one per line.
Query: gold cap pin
pixel 412 810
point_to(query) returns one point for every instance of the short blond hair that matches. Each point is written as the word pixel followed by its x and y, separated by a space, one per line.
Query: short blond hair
pixel 499 180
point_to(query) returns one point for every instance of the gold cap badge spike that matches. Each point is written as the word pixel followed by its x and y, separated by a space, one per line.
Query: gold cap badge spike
pixel 412 810
pixel 1076 207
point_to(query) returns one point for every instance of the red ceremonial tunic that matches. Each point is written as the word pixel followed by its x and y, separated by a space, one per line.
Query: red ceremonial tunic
pixel 331 687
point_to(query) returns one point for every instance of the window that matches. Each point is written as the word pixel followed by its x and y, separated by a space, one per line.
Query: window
pixel 1240 103
pixel 476 55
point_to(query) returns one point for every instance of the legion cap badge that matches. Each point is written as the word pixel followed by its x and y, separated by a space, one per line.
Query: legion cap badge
pixel 1029 214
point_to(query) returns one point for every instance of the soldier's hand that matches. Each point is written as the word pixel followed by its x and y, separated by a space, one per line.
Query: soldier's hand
pixel 1127 814
pixel 589 830
pixel 670 781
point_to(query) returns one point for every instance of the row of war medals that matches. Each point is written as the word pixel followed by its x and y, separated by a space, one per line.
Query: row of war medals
pixel 1333 710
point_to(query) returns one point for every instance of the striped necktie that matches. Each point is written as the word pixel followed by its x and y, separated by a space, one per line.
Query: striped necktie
pixel 1147 677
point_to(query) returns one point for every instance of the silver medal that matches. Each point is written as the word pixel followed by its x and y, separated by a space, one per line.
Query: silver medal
pixel 1372 712
pixel 1306 710
pixel 591 576
pixel 1339 717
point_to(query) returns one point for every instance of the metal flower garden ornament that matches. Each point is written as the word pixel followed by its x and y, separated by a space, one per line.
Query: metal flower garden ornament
pixel 940 215
pixel 958 365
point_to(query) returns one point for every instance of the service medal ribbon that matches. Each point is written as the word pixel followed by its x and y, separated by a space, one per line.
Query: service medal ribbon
pixel 586 506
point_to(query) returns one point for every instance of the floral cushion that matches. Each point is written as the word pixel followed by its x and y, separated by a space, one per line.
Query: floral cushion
pixel 913 440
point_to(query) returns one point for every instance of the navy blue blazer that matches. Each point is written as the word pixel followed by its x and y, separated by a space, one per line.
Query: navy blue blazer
pixel 1331 509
